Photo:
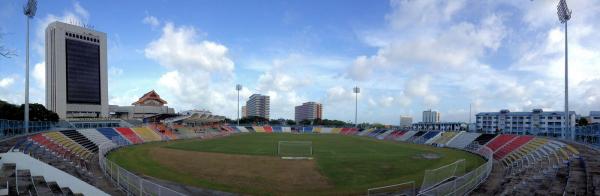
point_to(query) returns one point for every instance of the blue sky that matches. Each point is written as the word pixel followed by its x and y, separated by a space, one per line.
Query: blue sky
pixel 407 56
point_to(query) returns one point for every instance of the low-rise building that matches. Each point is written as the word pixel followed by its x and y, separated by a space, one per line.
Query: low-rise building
pixel 149 104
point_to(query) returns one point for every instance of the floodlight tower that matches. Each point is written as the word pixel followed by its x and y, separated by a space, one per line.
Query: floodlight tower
pixel 29 11
pixel 356 90
pixel 564 14
pixel 238 88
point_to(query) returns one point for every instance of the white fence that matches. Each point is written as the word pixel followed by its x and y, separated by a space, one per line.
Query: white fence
pixel 126 180
pixel 466 183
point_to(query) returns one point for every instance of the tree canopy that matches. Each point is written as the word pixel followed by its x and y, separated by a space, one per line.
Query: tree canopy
pixel 37 112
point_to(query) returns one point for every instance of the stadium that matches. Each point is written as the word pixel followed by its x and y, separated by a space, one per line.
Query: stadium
pixel 79 144
pixel 220 159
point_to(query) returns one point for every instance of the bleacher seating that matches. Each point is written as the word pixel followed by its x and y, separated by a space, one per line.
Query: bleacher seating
pixel 258 129
pixel 416 136
pixel 128 134
pixel 94 136
pixel 146 134
pixel 268 129
pixel 396 134
pixel 500 141
pixel 432 135
pixel 444 138
pixel 80 139
pixel 112 134
pixel 406 136
pixel 485 138
pixel 250 129
pixel 513 145
pixel 462 139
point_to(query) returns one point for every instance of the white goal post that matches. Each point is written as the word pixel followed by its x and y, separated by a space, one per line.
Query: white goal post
pixel 294 149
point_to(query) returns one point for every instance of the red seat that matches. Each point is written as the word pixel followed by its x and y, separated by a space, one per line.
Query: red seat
pixel 513 145
pixel 129 135
pixel 498 141
pixel 268 129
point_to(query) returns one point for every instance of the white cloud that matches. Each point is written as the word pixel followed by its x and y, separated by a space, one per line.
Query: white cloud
pixel 152 21
pixel 179 47
pixel 39 74
pixel 7 90
pixel 76 14
pixel 200 71
pixel 7 82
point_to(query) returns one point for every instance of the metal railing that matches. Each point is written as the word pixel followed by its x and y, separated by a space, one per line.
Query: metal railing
pixel 10 128
pixel 466 183
pixel 126 180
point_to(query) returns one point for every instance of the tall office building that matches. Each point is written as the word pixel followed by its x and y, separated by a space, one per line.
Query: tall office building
pixel 258 105
pixel 308 111
pixel 405 121
pixel 431 116
pixel 76 76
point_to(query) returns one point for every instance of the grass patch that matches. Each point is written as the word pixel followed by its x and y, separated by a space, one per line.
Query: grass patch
pixel 350 164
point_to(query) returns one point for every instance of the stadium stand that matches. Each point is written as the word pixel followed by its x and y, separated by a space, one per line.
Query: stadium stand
pixel 462 139
pixel 94 136
pixel 326 130
pixel 395 135
pixel 524 165
pixel 268 129
pixel 500 141
pixel 363 132
pixel 146 134
pixel 250 129
pixel 416 136
pixel 511 146
pixel 406 136
pixel 429 136
pixel 258 129
pixel 384 134
pixel 485 138
pixel 80 139
pixel 129 135
pixel 444 138
pixel 112 134
pixel 277 129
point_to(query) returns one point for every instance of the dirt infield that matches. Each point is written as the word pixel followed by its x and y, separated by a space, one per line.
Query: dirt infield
pixel 267 173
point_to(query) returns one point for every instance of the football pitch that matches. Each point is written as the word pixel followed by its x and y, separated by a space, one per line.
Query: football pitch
pixel 249 163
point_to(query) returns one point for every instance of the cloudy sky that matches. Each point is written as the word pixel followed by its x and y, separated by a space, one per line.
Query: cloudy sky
pixel 407 56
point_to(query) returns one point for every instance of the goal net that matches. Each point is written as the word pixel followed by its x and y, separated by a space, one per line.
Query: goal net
pixel 294 149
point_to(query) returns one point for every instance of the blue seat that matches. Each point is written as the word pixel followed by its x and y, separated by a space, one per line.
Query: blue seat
pixel 111 134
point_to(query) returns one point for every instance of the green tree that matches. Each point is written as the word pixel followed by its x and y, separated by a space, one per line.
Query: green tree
pixel 290 122
pixel 37 112
pixel 582 121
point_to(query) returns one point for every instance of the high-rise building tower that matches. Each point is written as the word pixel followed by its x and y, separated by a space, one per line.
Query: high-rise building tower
pixel 405 121
pixel 258 105
pixel 431 116
pixel 244 112
pixel 76 73
pixel 308 111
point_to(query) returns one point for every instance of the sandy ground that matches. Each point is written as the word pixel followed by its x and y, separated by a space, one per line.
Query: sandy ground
pixel 266 173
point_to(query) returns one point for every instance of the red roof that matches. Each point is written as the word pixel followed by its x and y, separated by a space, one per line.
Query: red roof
pixel 152 95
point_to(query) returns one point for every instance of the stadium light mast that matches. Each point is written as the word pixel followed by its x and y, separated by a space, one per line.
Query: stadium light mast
pixel 29 11
pixel 238 88
pixel 564 14
pixel 356 90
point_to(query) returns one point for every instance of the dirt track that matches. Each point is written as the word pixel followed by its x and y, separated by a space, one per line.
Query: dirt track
pixel 265 173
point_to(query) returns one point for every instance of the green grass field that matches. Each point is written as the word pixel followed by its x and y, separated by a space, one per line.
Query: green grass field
pixel 349 164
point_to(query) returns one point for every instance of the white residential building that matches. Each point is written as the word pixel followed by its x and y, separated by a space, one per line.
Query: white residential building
pixel 537 122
